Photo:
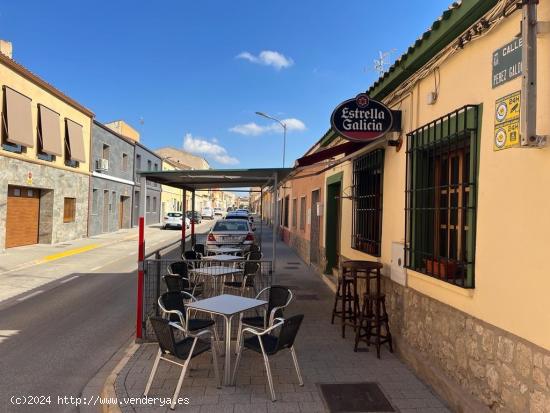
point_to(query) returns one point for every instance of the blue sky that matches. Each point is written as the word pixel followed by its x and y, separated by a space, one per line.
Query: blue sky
pixel 195 69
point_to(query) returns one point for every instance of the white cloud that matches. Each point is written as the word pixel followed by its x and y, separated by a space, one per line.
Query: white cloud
pixel 268 58
pixel 253 129
pixel 209 149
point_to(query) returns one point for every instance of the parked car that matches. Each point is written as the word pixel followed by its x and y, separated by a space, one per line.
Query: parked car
pixel 231 233
pixel 218 212
pixel 207 213
pixel 230 209
pixel 197 217
pixel 174 220
pixel 244 217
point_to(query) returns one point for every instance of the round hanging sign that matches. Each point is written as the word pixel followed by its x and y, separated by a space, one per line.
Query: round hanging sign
pixel 361 119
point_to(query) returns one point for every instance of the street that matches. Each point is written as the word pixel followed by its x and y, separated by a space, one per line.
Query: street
pixel 56 338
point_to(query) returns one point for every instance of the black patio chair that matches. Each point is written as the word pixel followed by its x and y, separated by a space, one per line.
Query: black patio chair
pixel 190 255
pixel 254 248
pixel 169 349
pixel 191 285
pixel 175 283
pixel 250 270
pixel 279 298
pixel 267 344
pixel 200 249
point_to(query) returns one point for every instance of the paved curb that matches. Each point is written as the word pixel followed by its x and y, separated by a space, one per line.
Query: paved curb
pixel 103 383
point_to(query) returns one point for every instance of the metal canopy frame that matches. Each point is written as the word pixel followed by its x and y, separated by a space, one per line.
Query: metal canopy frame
pixel 208 179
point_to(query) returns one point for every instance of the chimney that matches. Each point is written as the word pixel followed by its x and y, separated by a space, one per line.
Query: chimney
pixel 6 48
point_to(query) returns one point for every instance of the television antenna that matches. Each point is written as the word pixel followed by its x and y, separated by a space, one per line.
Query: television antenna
pixel 382 63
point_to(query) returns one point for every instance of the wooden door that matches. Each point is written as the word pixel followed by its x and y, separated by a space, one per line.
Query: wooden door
pixel 22 216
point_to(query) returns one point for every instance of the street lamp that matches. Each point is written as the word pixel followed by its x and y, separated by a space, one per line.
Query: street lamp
pixel 284 131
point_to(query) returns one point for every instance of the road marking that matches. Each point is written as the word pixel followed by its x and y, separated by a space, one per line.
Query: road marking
pixel 130 254
pixel 97 268
pixel 30 295
pixel 69 279
pixel 68 253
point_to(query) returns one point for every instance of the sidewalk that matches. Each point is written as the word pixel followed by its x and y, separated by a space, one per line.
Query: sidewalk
pixel 323 355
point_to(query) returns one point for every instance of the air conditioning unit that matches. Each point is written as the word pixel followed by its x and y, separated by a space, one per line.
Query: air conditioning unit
pixel 102 164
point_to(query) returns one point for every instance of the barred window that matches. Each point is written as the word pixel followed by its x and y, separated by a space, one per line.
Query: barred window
pixel 442 166
pixel 367 202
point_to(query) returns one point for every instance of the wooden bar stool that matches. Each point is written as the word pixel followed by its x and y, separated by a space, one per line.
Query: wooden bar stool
pixel 373 317
pixel 346 294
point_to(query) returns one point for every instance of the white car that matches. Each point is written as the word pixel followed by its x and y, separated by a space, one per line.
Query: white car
pixel 231 233
pixel 207 213
pixel 174 220
pixel 218 212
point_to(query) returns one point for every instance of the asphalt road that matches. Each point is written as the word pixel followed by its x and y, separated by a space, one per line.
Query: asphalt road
pixel 54 342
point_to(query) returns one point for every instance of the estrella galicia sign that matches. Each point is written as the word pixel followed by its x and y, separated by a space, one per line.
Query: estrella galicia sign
pixel 361 119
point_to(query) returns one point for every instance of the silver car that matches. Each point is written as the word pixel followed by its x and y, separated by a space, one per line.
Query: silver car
pixel 231 233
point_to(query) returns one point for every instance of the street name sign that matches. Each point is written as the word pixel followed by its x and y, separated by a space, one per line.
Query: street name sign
pixel 507 62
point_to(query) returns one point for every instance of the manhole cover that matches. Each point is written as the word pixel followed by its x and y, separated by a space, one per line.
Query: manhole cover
pixel 355 397
pixel 311 297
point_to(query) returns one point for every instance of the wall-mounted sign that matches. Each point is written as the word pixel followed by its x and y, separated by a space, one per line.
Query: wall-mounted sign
pixel 507 62
pixel 29 178
pixel 362 119
pixel 507 117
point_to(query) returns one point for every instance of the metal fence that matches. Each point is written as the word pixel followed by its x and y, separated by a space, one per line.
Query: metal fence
pixel 210 275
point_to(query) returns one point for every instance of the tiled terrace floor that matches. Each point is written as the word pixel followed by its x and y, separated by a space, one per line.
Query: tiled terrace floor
pixel 323 355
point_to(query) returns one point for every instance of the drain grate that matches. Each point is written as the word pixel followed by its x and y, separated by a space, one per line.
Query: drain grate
pixel 291 267
pixel 310 297
pixel 294 263
pixel 355 397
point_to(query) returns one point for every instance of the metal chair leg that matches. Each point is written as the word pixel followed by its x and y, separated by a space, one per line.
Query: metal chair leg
pixel 237 361
pixel 269 378
pixel 152 375
pixel 238 334
pixel 180 382
pixel 298 373
pixel 268 371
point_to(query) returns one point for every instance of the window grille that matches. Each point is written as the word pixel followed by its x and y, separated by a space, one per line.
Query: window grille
pixel 303 213
pixel 367 202
pixel 441 195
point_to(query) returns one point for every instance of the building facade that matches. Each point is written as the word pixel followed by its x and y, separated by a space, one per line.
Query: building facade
pixel 171 198
pixel 146 197
pixel 44 160
pixel 112 181
pixel 458 214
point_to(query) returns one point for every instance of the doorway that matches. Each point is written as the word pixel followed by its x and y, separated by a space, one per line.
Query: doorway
pixel 23 209
pixel 332 237
pixel 105 223
pixel 314 229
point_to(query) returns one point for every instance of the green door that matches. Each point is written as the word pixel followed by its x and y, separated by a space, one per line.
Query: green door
pixel 332 234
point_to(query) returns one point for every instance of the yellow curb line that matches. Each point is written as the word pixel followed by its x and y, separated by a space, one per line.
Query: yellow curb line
pixel 68 253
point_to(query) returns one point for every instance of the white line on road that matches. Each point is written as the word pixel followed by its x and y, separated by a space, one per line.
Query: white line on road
pixel 130 254
pixel 30 295
pixel 69 279
pixel 97 268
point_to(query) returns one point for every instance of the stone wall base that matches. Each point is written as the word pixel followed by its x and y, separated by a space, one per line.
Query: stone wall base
pixel 473 365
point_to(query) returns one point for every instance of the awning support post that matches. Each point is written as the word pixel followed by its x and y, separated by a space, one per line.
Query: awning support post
pixel 141 258
pixel 193 221
pixel 275 219
pixel 184 219
pixel 261 215
pixel 143 185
